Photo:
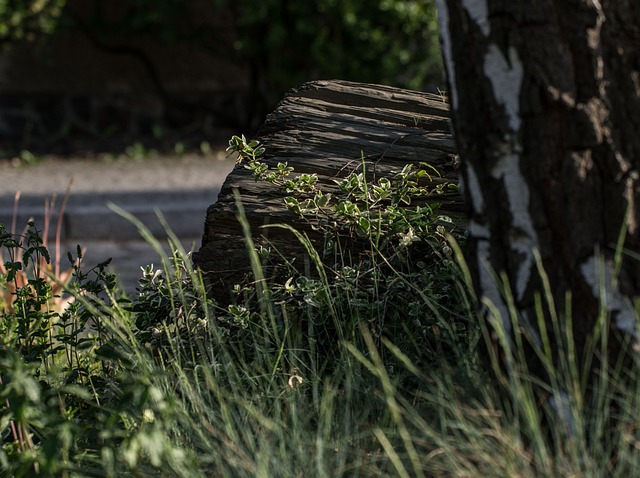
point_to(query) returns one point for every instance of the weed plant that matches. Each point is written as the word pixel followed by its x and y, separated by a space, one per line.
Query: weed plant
pixel 347 369
pixel 383 258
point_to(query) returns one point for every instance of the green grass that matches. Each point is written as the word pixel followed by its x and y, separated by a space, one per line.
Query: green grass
pixel 353 369
pixel 167 384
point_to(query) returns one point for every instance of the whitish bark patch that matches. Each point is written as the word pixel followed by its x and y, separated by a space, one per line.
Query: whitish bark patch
pixel 506 80
pixel 522 234
pixel 599 275
pixel 478 10
pixel 475 191
pixel 486 276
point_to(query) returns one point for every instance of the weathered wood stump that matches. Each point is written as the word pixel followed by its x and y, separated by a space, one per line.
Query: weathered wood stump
pixel 327 128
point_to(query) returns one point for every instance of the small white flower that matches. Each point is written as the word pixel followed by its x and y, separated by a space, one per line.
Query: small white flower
pixel 295 380
pixel 408 238
pixel 148 416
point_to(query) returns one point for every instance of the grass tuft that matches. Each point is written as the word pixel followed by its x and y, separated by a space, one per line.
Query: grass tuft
pixel 359 369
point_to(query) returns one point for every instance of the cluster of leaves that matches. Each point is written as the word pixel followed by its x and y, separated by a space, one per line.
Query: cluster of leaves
pixel 28 20
pixel 69 368
pixel 385 256
pixel 109 385
pixel 174 319
pixel 379 210
pixel 384 41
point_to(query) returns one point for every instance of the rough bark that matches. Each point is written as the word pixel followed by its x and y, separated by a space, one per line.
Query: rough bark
pixel 545 98
pixel 325 127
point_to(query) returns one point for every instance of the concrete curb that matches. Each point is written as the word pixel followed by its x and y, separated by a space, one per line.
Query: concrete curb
pixel 180 188
pixel 88 217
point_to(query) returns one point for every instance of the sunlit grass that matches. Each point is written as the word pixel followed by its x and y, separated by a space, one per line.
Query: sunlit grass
pixel 166 382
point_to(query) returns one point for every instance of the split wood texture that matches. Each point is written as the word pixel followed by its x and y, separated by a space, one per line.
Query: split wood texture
pixel 328 128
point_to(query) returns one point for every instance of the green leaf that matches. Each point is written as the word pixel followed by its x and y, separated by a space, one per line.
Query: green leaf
pixel 78 391
pixel 323 199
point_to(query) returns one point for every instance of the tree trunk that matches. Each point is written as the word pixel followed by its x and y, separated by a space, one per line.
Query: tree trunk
pixel 545 100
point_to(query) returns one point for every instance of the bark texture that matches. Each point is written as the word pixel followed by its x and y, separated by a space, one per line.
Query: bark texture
pixel 325 127
pixel 545 99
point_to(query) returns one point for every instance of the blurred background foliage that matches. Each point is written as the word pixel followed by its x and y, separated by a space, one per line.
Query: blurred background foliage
pixel 379 41
pixel 275 44
pixel 28 19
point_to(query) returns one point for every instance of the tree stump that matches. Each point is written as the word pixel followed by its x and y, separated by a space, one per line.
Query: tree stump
pixel 328 128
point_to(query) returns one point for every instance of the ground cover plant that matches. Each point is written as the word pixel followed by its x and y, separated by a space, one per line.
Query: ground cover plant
pixel 350 368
